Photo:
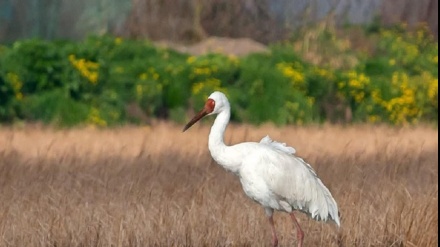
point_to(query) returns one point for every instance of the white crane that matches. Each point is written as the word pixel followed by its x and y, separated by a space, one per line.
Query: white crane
pixel 269 172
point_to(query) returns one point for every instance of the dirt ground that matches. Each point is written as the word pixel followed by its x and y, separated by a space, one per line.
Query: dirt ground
pixel 228 46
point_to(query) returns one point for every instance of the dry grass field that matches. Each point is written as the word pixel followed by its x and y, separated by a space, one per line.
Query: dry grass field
pixel 157 186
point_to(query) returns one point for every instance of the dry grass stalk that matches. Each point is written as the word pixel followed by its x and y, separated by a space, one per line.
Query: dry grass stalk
pixel 156 186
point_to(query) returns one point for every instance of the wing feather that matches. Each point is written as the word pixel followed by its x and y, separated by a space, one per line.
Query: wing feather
pixel 277 145
pixel 294 181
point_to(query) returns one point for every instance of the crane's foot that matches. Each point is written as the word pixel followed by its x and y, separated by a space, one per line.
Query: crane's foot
pixel 274 242
pixel 300 236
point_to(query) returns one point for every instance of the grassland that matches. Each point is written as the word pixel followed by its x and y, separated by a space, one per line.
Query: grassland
pixel 157 186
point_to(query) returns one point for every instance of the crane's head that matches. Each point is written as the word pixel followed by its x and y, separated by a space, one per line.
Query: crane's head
pixel 215 104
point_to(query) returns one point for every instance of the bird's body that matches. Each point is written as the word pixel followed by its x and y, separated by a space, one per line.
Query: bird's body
pixel 269 172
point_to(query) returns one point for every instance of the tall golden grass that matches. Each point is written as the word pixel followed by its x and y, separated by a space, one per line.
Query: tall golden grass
pixel 157 186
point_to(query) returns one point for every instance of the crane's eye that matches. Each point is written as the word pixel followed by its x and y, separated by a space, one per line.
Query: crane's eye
pixel 210 105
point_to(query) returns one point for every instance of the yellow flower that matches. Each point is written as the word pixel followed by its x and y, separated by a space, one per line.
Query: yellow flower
pixel 375 94
pixel 403 107
pixel 341 84
pixel 87 69
pixel 311 101
pixel 19 96
pixel 16 84
pixel 327 74
pixel 233 59
pixel 139 91
pixel 359 96
pixel 355 83
pixel 94 118
pixel 432 89
pixel 118 40
pixel 197 87
pixel 293 72
pixel 213 84
pixel 191 59
pixel 143 76
pixel 399 78
pixel 15 81
pixel 151 73
pixel 93 77
pixel 373 118
pixel 202 71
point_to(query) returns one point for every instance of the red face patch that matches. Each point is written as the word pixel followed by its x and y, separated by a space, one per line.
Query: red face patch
pixel 210 105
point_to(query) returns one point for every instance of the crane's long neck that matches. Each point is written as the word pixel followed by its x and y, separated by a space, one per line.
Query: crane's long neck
pixel 218 130
pixel 217 146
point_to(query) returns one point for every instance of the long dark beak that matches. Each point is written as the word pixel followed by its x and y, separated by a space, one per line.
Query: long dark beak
pixel 196 118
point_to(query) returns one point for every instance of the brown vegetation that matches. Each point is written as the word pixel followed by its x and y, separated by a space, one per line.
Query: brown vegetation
pixel 265 21
pixel 157 186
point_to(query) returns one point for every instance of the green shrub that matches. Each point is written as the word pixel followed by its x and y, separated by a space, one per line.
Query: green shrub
pixel 268 90
pixel 7 97
pixel 96 80
pixel 208 73
pixel 54 107
pixel 399 82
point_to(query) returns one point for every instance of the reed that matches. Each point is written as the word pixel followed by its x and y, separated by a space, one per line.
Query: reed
pixel 157 186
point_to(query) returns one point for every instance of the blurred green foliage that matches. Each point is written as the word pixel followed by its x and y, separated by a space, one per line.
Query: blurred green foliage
pixel 100 80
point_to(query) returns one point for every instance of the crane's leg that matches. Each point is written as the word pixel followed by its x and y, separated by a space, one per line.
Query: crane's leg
pixel 269 213
pixel 274 234
pixel 299 231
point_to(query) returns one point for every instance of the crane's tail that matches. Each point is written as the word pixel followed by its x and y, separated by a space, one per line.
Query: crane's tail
pixel 330 205
pixel 320 205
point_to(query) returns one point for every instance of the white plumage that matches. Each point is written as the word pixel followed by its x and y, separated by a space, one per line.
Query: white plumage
pixel 269 171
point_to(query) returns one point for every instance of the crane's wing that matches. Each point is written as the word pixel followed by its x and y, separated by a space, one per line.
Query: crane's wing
pixel 277 145
pixel 290 181
pixel 297 183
